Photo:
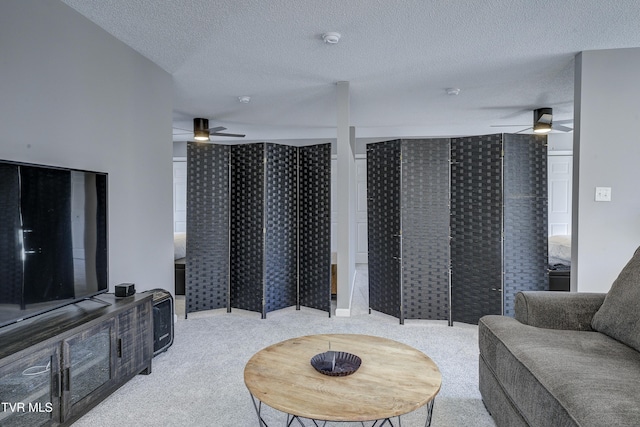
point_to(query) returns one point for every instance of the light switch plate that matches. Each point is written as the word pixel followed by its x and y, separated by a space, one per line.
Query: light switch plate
pixel 603 194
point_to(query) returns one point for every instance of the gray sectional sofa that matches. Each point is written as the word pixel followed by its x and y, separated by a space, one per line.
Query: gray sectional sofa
pixel 566 359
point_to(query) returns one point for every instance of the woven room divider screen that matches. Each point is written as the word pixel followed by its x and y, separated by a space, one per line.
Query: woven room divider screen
pixel 525 217
pixel 383 227
pixel 456 227
pixel 476 227
pixel 258 227
pixel 408 228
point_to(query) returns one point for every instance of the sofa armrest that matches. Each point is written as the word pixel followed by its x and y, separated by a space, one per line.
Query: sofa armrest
pixel 557 310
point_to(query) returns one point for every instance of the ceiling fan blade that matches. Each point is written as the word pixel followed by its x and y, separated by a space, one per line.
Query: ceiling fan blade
pixel 237 135
pixel 507 126
pixel 545 118
pixel 561 128
pixel 184 130
pixel 524 130
pixel 187 131
pixel 563 122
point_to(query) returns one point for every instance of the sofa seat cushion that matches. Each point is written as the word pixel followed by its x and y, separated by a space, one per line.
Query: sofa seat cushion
pixel 619 316
pixel 562 378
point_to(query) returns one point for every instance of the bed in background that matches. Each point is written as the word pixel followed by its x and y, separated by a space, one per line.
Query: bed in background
pixel 559 262
pixel 179 254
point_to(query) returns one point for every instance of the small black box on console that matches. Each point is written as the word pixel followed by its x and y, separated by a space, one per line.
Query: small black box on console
pixel 162 320
pixel 125 290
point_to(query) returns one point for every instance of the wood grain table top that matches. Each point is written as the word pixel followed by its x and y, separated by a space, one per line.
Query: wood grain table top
pixel 394 378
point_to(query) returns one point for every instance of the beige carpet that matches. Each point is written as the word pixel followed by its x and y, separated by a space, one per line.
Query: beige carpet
pixel 199 380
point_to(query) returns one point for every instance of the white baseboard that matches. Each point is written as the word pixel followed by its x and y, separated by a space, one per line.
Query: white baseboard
pixel 346 312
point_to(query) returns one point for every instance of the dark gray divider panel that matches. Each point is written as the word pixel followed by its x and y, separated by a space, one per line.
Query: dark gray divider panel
pixel 473 217
pixel 207 266
pixel 249 245
pixel 425 228
pixel 281 252
pixel 314 224
pixel 476 227
pixel 247 222
pixel 525 216
pixel 383 226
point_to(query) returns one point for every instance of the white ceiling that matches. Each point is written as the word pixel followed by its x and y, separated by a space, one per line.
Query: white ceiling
pixel 508 57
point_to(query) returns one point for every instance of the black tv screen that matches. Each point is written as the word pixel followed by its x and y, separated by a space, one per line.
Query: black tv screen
pixel 53 238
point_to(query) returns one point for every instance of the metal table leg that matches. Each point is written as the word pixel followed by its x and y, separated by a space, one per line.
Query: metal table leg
pixel 258 408
pixel 257 404
pixel 429 412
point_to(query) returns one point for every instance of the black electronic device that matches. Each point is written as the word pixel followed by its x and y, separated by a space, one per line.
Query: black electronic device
pixel 125 290
pixel 162 320
pixel 53 238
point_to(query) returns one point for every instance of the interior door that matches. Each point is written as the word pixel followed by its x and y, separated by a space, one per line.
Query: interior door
pixel 361 209
pixel 560 170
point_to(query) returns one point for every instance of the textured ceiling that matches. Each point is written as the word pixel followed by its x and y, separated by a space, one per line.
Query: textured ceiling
pixel 508 57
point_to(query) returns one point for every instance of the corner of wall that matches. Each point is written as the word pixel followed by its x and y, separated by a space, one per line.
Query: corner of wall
pixel 346 312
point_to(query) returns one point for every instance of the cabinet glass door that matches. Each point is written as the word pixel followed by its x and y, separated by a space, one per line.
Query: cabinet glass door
pixel 88 364
pixel 29 390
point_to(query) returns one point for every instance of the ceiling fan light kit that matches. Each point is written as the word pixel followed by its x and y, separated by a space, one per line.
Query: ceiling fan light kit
pixel 201 129
pixel 542 120
pixel 541 128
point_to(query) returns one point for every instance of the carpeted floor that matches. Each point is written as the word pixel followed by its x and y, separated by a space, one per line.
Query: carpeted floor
pixel 199 380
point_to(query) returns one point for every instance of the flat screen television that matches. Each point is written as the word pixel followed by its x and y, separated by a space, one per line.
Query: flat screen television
pixel 53 238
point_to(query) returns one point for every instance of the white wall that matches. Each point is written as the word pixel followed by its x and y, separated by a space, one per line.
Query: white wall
pixel 560 142
pixel 606 154
pixel 71 95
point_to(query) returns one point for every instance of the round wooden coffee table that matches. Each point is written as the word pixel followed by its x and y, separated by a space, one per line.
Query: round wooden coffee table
pixel 394 379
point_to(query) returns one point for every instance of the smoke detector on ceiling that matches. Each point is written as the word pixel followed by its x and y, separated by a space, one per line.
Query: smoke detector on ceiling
pixel 331 37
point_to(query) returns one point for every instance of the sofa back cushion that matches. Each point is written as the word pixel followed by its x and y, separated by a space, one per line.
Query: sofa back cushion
pixel 619 316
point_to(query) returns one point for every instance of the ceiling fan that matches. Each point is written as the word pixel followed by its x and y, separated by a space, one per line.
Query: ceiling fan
pixel 543 122
pixel 202 131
